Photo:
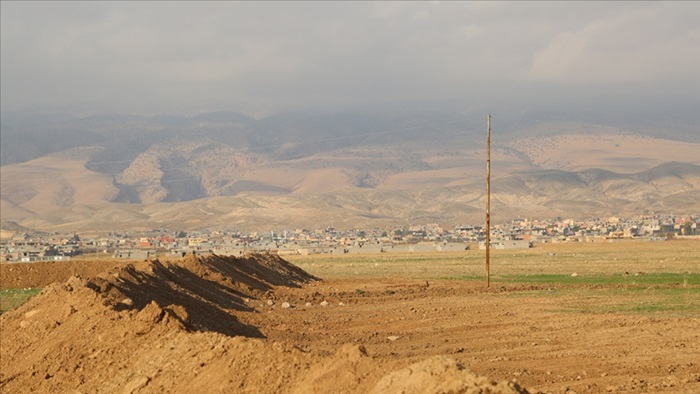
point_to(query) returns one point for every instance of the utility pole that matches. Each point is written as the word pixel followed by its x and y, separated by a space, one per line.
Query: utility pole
pixel 488 199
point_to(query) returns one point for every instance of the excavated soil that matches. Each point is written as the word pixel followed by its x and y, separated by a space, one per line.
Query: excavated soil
pixel 259 324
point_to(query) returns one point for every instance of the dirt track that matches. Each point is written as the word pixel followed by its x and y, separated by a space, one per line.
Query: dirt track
pixel 200 334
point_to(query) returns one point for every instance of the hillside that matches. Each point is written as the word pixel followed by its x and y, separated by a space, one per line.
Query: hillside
pixel 370 168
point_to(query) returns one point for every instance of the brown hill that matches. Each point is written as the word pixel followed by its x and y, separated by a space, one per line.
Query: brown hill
pixel 230 170
pixel 607 148
pixel 550 193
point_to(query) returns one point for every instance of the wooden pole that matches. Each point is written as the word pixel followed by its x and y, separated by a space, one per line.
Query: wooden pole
pixel 488 199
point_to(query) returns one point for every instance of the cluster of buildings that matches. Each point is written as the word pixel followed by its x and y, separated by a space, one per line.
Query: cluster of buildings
pixel 519 233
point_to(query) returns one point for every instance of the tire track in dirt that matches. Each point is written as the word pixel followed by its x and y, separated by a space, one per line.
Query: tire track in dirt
pixel 495 334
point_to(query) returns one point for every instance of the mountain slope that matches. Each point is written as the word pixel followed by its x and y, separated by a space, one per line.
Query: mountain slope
pixel 363 167
pixel 536 194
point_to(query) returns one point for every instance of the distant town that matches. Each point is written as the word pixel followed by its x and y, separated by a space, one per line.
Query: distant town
pixel 518 234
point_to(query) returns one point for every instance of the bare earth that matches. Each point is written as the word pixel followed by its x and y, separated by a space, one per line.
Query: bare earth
pixel 260 324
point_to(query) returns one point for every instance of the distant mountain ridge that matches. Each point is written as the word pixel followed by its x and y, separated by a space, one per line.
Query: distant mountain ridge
pixel 370 166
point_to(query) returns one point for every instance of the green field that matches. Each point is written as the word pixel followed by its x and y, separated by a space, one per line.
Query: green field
pixel 627 280
pixel 10 298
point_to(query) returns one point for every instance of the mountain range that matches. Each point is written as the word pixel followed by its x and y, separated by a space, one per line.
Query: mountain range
pixel 348 169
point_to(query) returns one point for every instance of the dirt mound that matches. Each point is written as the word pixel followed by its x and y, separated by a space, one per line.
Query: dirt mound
pixel 207 290
pixel 441 374
pixel 64 332
pixel 40 274
pixel 257 271
pixel 191 325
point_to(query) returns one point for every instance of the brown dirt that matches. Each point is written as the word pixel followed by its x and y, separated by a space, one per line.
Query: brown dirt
pixel 259 324
pixel 40 274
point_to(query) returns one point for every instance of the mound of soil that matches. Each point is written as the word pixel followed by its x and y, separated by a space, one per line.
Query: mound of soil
pixel 190 326
pixel 208 290
pixel 441 374
pixel 42 273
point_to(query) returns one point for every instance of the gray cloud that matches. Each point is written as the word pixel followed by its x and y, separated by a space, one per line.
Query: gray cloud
pixel 267 56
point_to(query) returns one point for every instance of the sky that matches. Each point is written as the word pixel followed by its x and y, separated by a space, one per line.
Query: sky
pixel 264 57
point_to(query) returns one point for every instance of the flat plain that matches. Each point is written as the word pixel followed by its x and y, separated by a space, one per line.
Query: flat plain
pixel 558 318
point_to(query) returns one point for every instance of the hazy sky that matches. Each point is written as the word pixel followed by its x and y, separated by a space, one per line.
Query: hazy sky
pixel 262 57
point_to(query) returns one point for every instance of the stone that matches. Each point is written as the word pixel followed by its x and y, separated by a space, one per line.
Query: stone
pixel 136 384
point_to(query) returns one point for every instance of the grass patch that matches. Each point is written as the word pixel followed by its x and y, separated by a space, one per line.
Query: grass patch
pixel 666 293
pixel 650 279
pixel 11 298
pixel 678 301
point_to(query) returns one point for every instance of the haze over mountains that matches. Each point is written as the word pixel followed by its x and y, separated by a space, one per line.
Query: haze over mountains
pixel 359 168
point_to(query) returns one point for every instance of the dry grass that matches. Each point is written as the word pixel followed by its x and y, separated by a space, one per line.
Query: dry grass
pixel 621 277
pixel 616 258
